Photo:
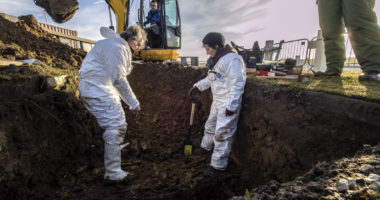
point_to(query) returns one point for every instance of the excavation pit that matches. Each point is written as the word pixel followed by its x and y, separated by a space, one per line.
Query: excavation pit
pixel 52 147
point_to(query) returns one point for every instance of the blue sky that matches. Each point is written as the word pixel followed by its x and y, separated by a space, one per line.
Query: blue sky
pixel 241 21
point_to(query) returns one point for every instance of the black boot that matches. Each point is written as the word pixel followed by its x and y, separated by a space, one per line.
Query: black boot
pixel 328 72
pixel 126 180
pixel 370 76
pixel 201 151
pixel 212 171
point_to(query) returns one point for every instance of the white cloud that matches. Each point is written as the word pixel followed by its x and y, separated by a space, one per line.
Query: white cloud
pixel 99 2
pixel 234 20
pixel 89 19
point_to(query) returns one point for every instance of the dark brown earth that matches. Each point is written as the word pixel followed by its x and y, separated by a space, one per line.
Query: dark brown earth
pixel 284 131
pixel 52 148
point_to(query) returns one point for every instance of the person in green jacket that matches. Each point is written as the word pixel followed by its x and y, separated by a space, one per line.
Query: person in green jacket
pixel 360 20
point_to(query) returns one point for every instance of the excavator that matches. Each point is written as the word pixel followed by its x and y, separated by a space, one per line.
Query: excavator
pixel 170 30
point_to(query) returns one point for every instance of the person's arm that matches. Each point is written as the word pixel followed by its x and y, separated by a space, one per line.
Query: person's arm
pixel 126 93
pixel 117 60
pixel 148 17
pixel 203 84
pixel 237 79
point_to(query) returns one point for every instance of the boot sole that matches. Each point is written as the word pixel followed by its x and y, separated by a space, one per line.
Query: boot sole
pixel 127 180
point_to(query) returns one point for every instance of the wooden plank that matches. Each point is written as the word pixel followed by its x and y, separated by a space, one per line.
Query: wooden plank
pixel 283 77
pixel 6 62
pixel 251 70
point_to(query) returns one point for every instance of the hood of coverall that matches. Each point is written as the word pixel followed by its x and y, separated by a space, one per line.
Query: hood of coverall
pixel 110 34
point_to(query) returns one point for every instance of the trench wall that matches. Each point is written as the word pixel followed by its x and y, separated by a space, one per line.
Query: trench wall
pixel 284 131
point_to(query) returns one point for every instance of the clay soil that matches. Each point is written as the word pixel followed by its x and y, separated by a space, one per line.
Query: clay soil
pixel 52 148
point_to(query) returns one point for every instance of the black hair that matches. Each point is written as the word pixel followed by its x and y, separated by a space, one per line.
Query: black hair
pixel 214 38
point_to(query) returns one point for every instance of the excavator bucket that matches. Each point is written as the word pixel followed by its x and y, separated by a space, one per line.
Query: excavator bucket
pixel 59 10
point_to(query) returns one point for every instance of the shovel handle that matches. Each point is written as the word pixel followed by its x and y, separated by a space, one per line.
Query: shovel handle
pixel 192 114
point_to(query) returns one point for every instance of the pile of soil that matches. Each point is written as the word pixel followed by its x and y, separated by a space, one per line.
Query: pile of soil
pixel 355 177
pixel 26 40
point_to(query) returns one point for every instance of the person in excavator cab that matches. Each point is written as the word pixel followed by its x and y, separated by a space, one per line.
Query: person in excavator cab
pixel 154 31
pixel 103 81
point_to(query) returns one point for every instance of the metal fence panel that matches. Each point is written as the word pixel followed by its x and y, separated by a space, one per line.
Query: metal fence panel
pixel 294 49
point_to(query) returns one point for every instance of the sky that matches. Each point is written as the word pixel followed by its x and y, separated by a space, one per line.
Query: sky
pixel 240 21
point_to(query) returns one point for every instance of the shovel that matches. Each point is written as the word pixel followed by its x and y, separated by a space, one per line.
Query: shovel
pixel 188 142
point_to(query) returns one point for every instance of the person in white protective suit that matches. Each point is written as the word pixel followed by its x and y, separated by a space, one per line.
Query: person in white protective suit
pixel 226 77
pixel 102 83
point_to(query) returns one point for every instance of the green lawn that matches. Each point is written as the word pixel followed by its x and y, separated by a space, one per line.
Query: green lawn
pixel 345 85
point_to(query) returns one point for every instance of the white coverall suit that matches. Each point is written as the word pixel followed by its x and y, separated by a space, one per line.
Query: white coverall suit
pixel 102 82
pixel 227 86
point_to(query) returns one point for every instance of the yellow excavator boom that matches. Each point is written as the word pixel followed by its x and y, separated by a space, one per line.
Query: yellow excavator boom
pixel 119 7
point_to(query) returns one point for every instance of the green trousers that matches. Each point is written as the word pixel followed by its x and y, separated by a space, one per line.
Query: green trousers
pixel 360 20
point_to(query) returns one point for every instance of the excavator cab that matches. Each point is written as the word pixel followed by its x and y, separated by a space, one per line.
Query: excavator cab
pixel 164 37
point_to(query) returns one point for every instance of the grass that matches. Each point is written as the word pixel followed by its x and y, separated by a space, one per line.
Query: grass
pixel 345 85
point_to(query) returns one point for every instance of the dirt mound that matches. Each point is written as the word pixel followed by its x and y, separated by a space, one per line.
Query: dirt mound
pixel 26 40
pixel 356 177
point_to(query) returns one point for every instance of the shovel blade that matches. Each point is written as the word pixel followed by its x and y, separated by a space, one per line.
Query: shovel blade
pixel 188 150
